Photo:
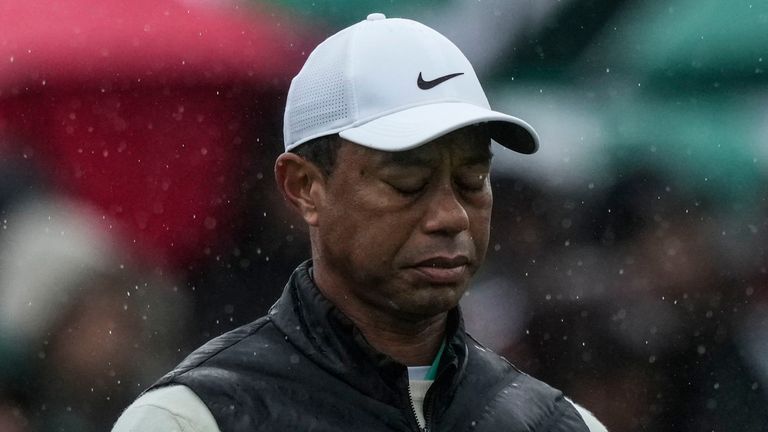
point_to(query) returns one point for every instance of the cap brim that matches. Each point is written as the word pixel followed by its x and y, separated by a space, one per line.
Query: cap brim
pixel 410 128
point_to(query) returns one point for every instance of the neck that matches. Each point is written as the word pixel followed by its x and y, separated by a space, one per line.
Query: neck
pixel 416 345
pixel 412 341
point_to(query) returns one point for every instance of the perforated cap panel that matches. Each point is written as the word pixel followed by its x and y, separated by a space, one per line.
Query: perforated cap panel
pixel 320 98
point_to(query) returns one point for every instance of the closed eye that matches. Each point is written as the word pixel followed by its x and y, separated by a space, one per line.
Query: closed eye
pixel 408 188
pixel 472 182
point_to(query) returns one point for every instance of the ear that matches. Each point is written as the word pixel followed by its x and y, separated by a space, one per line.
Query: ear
pixel 296 178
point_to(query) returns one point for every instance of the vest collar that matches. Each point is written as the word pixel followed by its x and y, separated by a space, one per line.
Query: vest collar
pixel 326 336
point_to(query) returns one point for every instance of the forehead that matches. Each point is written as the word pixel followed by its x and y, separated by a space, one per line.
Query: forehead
pixel 466 146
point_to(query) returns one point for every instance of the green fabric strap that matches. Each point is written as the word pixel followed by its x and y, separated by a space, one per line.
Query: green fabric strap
pixel 432 373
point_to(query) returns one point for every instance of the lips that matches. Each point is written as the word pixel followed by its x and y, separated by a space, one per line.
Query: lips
pixel 443 270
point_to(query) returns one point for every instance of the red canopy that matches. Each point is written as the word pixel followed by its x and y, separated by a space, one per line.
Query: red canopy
pixel 146 108
pixel 93 42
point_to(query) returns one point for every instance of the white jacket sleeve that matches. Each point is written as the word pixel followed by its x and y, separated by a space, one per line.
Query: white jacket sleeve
pixel 592 422
pixel 168 409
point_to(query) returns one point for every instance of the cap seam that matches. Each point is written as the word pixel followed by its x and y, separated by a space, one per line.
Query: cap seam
pixel 352 71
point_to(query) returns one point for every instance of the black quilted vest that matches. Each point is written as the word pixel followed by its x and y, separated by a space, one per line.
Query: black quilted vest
pixel 305 367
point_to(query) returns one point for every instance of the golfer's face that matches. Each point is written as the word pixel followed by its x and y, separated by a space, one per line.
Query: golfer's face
pixel 407 230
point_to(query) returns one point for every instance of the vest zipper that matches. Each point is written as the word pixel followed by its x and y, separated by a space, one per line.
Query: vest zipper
pixel 413 411
pixel 429 400
pixel 428 412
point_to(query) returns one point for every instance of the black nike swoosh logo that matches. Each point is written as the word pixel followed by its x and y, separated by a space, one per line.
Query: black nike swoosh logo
pixel 426 85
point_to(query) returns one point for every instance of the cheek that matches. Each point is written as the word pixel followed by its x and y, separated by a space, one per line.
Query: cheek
pixel 480 226
pixel 385 234
pixel 364 232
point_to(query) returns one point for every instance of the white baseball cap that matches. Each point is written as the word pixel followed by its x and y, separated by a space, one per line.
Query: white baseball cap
pixel 392 84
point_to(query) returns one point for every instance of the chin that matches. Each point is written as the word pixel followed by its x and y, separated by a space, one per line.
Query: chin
pixel 436 300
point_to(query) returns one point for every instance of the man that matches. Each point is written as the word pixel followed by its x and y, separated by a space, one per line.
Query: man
pixel 387 138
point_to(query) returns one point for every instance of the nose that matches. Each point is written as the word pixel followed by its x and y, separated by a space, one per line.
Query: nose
pixel 445 213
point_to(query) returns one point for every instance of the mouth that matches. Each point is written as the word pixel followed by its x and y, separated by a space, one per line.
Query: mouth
pixel 443 270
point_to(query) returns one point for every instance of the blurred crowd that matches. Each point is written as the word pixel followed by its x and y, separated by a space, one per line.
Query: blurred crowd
pixel 627 263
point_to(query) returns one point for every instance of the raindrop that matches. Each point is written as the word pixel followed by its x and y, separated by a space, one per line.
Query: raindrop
pixel 210 222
